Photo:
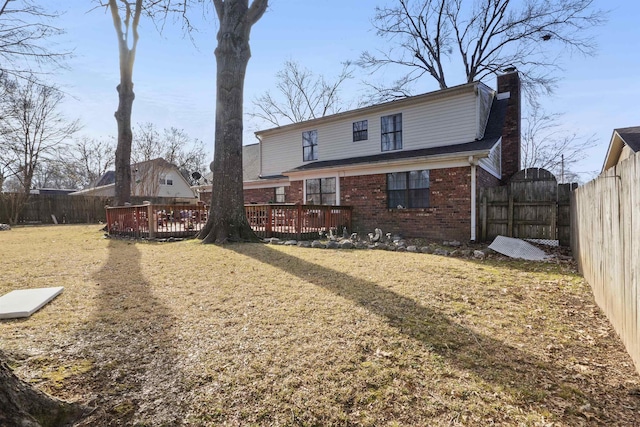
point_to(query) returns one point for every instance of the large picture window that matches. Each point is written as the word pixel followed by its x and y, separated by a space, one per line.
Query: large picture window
pixel 408 189
pixel 321 191
pixel 310 145
pixel 391 132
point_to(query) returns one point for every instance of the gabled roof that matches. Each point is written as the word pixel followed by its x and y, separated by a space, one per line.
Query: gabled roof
pixel 492 135
pixel 109 177
pixel 629 137
pixel 398 103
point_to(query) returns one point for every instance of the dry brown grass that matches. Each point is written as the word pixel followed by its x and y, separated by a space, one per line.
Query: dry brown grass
pixel 188 334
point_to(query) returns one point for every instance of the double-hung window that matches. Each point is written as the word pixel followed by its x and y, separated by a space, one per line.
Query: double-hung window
pixel 408 189
pixel 310 145
pixel 360 130
pixel 391 132
pixel 321 191
pixel 280 194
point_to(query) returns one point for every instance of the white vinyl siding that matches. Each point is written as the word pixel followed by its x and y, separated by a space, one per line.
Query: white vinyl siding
pixel 438 122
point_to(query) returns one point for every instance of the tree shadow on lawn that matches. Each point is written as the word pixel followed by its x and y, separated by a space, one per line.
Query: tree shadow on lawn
pixel 533 383
pixel 130 337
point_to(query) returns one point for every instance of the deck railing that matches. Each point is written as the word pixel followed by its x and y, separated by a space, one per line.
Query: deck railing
pixel 302 222
pixel 156 221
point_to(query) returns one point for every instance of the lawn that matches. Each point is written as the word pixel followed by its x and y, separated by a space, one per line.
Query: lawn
pixel 154 334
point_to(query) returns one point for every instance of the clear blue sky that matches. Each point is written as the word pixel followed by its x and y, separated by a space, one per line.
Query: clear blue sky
pixel 175 79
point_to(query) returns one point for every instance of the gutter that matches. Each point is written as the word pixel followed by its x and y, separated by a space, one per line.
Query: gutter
pixel 473 162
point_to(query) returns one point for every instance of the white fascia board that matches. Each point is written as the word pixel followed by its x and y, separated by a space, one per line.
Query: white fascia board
pixel 431 162
pixel 270 183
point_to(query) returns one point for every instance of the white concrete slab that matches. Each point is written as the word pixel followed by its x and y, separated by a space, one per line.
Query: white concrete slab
pixel 516 248
pixel 25 302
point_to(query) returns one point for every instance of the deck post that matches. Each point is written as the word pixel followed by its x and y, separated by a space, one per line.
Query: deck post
pixel 152 224
pixel 299 222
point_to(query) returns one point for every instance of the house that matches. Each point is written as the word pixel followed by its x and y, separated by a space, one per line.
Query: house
pixel 250 173
pixel 624 143
pixel 152 178
pixel 411 167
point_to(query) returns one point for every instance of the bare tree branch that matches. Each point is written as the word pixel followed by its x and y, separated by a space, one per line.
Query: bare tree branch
pixel 301 95
pixel 488 35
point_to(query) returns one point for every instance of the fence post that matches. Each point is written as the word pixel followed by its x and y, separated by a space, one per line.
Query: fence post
pixel 554 220
pixel 510 216
pixel 483 218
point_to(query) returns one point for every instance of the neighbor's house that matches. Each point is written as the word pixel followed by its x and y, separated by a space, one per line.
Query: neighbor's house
pixel 624 143
pixel 411 167
pixel 152 178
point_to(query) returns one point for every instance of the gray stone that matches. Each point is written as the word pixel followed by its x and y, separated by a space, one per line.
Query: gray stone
pixel 317 244
pixel 5 227
pixel 442 252
pixel 346 244
pixel 466 252
pixel 361 245
pixel 479 254
pixel 401 249
pixel 332 244
pixel 426 250
pixel 453 243
pixel 304 244
pixel 412 248
pixel 274 241
pixel 291 243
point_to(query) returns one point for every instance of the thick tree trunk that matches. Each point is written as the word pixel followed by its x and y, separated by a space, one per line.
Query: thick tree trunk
pixel 125 138
pixel 22 405
pixel 227 219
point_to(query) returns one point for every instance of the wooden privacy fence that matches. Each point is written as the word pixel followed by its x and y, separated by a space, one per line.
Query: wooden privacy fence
pixel 66 209
pixel 605 222
pixel 533 205
pixel 302 222
pixel 285 221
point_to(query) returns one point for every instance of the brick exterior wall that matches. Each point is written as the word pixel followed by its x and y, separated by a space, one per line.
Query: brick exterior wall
pixel 510 82
pixel 260 195
pixel 485 180
pixel 449 216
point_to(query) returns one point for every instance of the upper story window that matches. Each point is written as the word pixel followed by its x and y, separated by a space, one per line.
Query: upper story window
pixel 166 181
pixel 310 145
pixel 360 130
pixel 321 191
pixel 408 189
pixel 391 132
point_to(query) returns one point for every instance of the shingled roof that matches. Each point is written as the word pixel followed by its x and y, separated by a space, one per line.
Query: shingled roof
pixel 631 137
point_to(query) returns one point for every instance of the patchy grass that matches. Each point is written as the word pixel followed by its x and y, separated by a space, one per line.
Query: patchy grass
pixel 188 334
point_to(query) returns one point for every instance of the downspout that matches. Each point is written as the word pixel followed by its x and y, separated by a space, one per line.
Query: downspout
pixel 260 158
pixel 473 162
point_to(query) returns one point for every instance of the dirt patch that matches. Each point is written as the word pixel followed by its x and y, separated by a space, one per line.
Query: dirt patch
pixel 187 334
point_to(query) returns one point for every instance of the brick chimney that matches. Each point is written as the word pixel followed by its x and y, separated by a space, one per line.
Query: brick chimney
pixel 509 87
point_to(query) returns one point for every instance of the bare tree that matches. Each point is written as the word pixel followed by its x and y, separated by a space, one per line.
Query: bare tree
pixel 92 158
pixel 545 144
pixel 301 95
pixel 125 23
pixel 33 129
pixel 25 38
pixel 172 144
pixel 437 38
pixel 227 220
